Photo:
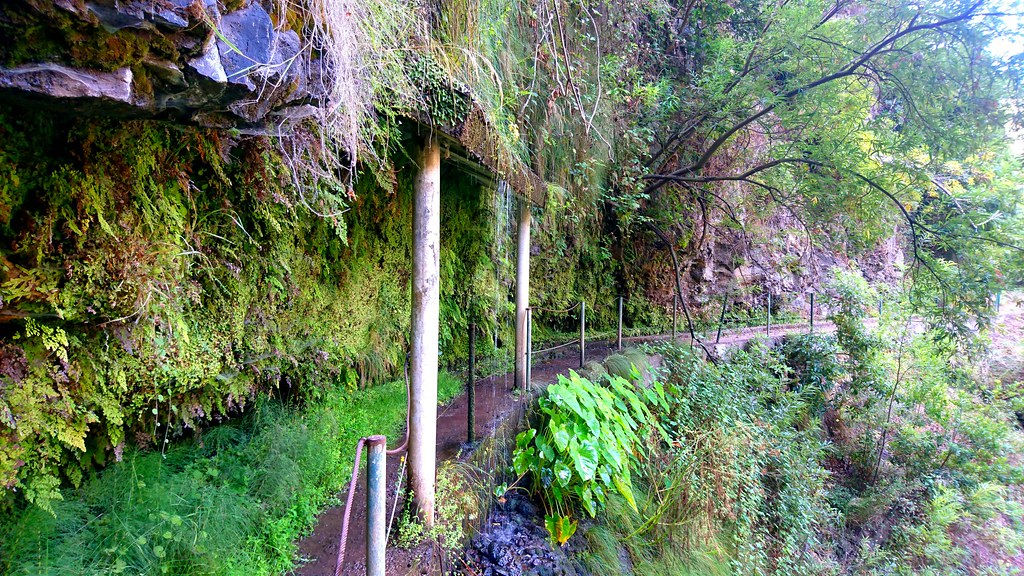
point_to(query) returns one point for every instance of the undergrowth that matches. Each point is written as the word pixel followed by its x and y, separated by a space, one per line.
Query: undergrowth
pixel 871 452
pixel 233 500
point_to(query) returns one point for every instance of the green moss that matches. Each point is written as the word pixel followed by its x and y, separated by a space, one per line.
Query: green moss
pixel 43 32
pixel 447 104
pixel 232 501
pixel 170 286
pixel 232 5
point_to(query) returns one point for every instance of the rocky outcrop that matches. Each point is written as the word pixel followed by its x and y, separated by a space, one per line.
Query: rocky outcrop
pixel 115 15
pixel 214 63
pixel 213 66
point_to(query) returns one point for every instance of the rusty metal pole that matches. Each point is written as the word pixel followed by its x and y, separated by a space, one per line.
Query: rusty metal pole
pixel 426 300
pixel 583 333
pixel 529 348
pixel 618 335
pixel 376 505
pixel 471 386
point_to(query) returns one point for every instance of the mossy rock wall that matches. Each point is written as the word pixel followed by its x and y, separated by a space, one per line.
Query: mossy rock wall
pixel 156 278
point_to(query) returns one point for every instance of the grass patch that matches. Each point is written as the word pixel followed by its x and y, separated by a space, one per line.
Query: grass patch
pixel 612 547
pixel 231 501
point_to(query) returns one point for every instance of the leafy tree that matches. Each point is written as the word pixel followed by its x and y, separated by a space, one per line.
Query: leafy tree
pixel 856 119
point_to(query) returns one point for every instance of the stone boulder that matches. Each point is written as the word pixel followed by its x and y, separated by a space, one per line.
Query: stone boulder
pixel 117 15
pixel 245 42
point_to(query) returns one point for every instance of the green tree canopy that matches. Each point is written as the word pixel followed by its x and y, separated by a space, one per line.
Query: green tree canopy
pixel 857 118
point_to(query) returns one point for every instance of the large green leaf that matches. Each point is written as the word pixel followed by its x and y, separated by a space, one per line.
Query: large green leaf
pixel 559 433
pixel 586 497
pixel 563 474
pixel 525 460
pixel 610 449
pixel 560 528
pixel 585 458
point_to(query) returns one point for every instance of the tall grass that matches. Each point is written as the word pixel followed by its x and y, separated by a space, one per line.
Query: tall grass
pixel 231 501
pixel 613 547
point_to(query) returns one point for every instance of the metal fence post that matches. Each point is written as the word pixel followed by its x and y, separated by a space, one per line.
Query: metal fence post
pixel 471 386
pixel 768 324
pixel 529 349
pixel 583 333
pixel 376 505
pixel 721 318
pixel 618 335
pixel 812 312
pixel 675 312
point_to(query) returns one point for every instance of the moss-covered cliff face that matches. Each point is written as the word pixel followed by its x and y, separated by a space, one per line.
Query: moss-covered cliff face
pixel 155 278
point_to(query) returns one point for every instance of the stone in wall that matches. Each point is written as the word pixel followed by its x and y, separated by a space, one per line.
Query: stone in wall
pixel 214 66
pixel 62 82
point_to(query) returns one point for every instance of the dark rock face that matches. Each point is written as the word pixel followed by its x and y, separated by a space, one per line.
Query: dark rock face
pixel 514 542
pixel 199 64
pixel 248 37
pixel 116 15
pixel 208 65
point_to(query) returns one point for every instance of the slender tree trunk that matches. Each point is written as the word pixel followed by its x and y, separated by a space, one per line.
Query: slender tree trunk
pixel 679 291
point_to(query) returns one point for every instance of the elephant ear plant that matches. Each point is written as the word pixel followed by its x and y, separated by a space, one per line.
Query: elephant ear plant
pixel 591 435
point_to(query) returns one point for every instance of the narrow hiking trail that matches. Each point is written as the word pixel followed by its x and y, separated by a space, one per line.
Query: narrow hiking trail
pixel 496 401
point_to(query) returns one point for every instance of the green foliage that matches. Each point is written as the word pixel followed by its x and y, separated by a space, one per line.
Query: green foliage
pixel 816 367
pixel 460 503
pixel 744 463
pixel 612 547
pixel 922 449
pixel 231 501
pixel 842 126
pixel 585 448
pixel 156 283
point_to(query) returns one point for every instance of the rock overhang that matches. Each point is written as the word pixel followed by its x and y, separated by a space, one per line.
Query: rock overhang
pixel 223 69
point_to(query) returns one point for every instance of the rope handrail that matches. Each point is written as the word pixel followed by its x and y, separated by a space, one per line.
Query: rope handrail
pixel 553 348
pixel 343 539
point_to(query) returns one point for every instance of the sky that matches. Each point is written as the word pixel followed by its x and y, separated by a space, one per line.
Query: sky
pixel 1009 45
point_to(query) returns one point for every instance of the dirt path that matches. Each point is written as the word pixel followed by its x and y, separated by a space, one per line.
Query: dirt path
pixel 494 404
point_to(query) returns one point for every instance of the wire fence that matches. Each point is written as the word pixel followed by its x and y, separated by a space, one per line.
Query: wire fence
pixel 727 320
pixel 795 307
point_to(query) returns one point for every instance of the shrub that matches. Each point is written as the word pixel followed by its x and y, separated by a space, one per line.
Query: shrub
pixel 584 448
pixel 743 463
